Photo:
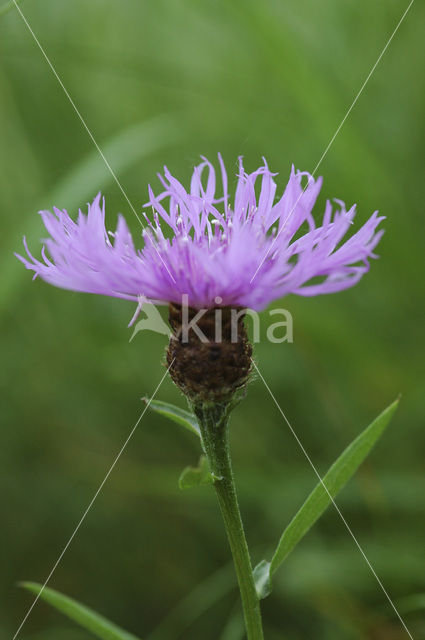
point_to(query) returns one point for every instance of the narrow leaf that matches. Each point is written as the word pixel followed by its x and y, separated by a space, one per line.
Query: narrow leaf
pixel 196 476
pixel 182 417
pixel 320 498
pixel 335 479
pixel 79 613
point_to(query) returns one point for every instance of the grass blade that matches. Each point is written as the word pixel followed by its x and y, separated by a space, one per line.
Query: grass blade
pixel 79 613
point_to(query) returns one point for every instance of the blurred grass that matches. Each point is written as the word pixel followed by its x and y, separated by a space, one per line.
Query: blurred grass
pixel 274 79
pixel 122 151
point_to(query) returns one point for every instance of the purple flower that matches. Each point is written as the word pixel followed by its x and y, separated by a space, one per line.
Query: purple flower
pixel 240 252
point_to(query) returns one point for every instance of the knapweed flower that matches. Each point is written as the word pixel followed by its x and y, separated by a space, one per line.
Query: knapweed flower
pixel 204 250
pixel 240 251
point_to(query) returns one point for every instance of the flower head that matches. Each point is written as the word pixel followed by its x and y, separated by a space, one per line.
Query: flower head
pixel 241 251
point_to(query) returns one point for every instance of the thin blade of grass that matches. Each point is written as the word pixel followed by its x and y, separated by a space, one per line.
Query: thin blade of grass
pixel 79 613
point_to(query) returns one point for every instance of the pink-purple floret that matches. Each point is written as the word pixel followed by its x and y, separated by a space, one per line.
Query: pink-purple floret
pixel 240 252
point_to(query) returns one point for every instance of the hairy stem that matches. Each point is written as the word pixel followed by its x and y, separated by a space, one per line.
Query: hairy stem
pixel 213 422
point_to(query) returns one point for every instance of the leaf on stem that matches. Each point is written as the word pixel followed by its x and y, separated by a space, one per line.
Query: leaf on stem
pixel 180 416
pixel 197 476
pixel 79 613
pixel 321 497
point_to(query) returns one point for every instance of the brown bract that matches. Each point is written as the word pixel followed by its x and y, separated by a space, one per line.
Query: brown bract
pixel 210 370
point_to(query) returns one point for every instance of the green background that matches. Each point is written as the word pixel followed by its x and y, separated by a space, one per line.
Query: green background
pixel 161 83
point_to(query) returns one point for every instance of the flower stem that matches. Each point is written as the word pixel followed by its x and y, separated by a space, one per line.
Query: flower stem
pixel 213 422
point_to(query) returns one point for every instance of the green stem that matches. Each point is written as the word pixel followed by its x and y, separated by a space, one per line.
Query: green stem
pixel 213 422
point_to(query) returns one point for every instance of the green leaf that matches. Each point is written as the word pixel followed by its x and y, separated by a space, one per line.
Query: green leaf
pixel 320 498
pixel 197 476
pixel 82 615
pixel 182 417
